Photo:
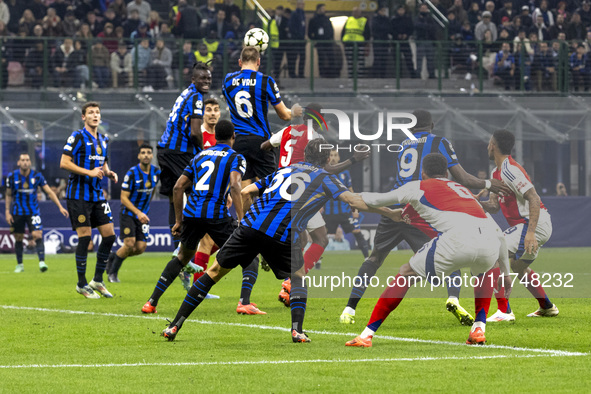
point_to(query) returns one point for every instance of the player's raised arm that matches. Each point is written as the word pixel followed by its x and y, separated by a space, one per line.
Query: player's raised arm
pixel 345 164
pixel 53 197
pixel 472 182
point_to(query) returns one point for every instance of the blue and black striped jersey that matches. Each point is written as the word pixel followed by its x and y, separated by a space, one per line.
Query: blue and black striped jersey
pixel 210 172
pixel 24 192
pixel 289 199
pixel 178 127
pixel 140 187
pixel 86 152
pixel 410 158
pixel 247 94
pixel 335 207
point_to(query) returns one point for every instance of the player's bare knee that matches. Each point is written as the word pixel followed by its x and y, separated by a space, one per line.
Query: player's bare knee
pixel 37 235
pixel 406 270
pixel 320 237
pixel 19 237
pixel 128 244
pixel 216 271
pixel 139 249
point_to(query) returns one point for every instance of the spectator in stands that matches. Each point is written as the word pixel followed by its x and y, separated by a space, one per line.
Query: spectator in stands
pixel 338 242
pixel 95 26
pixel 38 8
pixel 84 32
pixel 558 27
pixel 474 14
pixel 484 25
pixel 507 10
pixel 540 29
pixel 230 8
pixel 20 47
pixel 154 24
pixel 79 62
pixel 187 23
pixel 27 21
pixel 545 67
pixel 120 34
pixel 402 29
pixel 579 69
pixel 70 24
pixel 132 23
pixel 297 28
pixel 120 9
pixel 381 30
pixel 143 8
pixel 109 37
pixel 547 16
pixel 504 35
pixel 208 13
pixel 34 65
pixel 320 28
pixel 202 54
pixel 4 13
pixel 454 27
pixel 61 7
pixel 490 7
pixel 575 29
pixel 587 42
pixel 112 18
pixel 62 64
pixel 458 9
pixel 467 33
pixel 526 21
pixel 38 32
pixel 506 25
pixel 561 10
pixel 101 60
pixel 141 32
pixel 15 9
pixel 220 26
pixel 585 13
pixel 5 57
pixel 561 190
pixel 143 61
pixel 52 24
pixel 121 66
pixel 4 30
pixel 188 60
pixel 505 66
pixel 166 35
pixel 161 62
pixel 425 31
pixel 355 34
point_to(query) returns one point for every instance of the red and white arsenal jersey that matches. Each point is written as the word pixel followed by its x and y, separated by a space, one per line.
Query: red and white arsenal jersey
pixel 434 205
pixel 514 206
pixel 208 138
pixel 292 142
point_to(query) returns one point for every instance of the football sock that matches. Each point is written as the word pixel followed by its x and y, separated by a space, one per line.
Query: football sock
pixel 453 289
pixel 102 255
pixel 482 294
pixel 18 248
pixel 362 243
pixel 538 291
pixel 171 271
pixel 117 261
pixel 81 255
pixel 367 270
pixel 249 278
pixel 312 255
pixel 201 259
pixel 389 300
pixel 298 297
pixel 40 249
pixel 196 294
pixel 503 303
pixel 171 223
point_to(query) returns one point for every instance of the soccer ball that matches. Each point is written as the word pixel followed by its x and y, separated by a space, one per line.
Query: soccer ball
pixel 257 38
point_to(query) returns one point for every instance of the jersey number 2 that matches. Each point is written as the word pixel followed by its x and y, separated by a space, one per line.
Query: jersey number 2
pixel 203 182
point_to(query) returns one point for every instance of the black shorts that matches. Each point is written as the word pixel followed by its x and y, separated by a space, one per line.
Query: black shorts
pixel 172 164
pixel 389 234
pixel 32 221
pixel 345 220
pixel 245 244
pixel 89 214
pixel 195 228
pixel 259 163
pixel 131 227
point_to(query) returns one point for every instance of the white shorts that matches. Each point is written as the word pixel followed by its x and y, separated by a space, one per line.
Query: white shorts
pixel 315 222
pixel 478 250
pixel 515 236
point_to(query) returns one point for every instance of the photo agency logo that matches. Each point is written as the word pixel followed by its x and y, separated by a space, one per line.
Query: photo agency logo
pixel 348 130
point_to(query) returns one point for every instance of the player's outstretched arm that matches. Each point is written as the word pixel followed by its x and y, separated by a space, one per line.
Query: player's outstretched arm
pixel 235 193
pixel 285 113
pixel 492 205
pixel 356 201
pixel 196 135
pixel 142 217
pixel 8 202
pixel 177 199
pixel 472 182
pixel 342 166
pixel 530 242
pixel 250 190
pixel 274 141
pixel 53 197
pixel 66 163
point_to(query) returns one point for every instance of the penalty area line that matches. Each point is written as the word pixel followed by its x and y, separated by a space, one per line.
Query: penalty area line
pixel 276 328
pixel 271 362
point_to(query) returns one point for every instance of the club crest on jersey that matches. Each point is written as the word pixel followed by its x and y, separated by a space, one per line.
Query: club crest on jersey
pixel 26 185
pixel 148 184
pixel 99 150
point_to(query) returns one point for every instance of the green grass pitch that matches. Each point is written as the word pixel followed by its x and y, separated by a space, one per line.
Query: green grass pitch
pixel 62 342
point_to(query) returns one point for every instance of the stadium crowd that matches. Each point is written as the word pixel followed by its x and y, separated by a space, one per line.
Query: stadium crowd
pixel 515 41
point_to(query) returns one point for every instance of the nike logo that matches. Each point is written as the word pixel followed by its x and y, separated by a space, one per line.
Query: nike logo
pixel 89 143
pixel 17 181
pixel 137 181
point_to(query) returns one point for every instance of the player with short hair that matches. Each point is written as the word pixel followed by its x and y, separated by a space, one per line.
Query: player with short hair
pixel 464 237
pixel 248 93
pixel 211 116
pixel 85 157
pixel 212 174
pixel 531 226
pixel 390 233
pixel 271 227
pixel 22 208
pixel 137 191
pixel 183 137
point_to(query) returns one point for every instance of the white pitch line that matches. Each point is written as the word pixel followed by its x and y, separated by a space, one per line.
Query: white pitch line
pixel 258 362
pixel 264 327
